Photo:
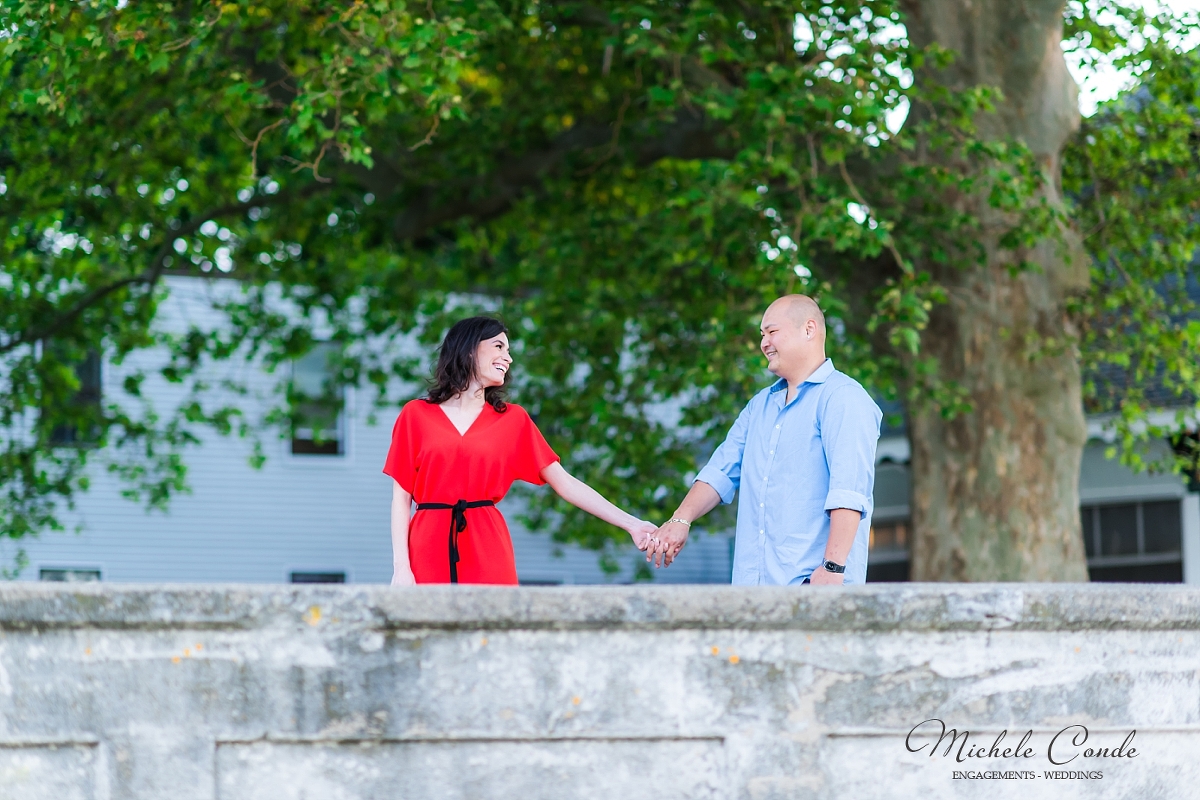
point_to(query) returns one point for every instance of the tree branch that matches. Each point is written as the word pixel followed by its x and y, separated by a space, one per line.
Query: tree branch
pixel 690 136
pixel 149 277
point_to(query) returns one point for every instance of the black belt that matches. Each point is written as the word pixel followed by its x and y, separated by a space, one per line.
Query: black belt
pixel 458 524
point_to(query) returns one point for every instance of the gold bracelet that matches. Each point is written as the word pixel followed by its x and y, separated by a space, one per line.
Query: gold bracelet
pixel 680 521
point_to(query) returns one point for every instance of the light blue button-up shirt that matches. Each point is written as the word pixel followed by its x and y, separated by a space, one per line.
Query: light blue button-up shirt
pixel 794 464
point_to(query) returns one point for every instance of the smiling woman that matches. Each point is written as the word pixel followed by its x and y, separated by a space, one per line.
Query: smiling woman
pixel 474 348
pixel 457 451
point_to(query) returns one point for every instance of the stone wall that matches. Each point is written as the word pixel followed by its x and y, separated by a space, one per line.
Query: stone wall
pixel 356 693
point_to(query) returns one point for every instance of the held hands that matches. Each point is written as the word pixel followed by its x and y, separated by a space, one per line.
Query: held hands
pixel 661 545
pixel 642 531
pixel 666 543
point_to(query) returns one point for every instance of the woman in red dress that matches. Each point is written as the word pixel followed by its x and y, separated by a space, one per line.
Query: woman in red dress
pixel 456 452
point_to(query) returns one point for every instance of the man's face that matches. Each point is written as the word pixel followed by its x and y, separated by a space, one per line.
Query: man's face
pixel 783 341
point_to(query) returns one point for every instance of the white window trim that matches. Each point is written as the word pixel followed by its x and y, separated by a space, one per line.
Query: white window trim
pixel 1191 538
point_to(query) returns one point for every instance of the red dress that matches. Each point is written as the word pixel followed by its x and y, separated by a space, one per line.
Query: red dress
pixel 435 464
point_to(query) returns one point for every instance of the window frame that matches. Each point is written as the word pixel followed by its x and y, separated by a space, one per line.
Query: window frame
pixel 292 573
pixel 344 427
pixel 90 394
pixel 75 569
pixel 891 515
pixel 1141 558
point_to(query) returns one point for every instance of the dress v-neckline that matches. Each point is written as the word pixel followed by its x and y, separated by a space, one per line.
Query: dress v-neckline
pixel 461 434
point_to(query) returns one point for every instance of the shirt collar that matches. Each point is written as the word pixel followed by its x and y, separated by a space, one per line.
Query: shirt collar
pixel 820 375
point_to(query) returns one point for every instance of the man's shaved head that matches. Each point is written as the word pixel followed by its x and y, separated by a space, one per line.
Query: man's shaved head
pixel 800 309
pixel 793 337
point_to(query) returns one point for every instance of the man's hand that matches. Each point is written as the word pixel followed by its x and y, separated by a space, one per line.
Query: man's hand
pixel 668 540
pixel 823 577
pixel 671 538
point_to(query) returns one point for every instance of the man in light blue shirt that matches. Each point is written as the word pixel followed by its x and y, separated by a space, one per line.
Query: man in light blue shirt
pixel 802 453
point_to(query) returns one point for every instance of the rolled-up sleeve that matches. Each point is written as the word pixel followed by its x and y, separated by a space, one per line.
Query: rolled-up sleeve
pixel 849 436
pixel 723 471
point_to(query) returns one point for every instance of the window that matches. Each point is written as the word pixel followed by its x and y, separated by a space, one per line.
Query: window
pixel 316 400
pixel 69 575
pixel 1127 542
pixel 318 577
pixel 1134 542
pixel 888 559
pixel 85 404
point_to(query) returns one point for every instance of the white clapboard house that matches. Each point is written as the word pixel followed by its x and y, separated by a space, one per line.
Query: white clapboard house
pixel 318 511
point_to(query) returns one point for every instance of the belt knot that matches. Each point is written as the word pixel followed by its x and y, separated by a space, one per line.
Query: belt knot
pixel 458 524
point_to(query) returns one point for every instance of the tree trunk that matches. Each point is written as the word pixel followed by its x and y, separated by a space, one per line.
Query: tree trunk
pixel 996 489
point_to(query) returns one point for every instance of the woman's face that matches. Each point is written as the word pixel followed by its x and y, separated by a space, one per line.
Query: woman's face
pixel 492 360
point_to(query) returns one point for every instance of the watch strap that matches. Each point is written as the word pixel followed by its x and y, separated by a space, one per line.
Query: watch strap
pixel 831 566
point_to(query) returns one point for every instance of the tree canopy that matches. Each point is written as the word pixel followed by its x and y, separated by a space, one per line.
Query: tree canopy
pixel 627 184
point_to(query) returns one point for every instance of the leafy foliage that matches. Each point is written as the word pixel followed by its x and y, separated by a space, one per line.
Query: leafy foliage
pixel 628 184
pixel 1132 173
pixel 123 149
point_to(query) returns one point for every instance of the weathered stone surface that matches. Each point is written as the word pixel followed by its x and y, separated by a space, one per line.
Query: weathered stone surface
pixel 669 769
pixel 628 692
pixel 48 772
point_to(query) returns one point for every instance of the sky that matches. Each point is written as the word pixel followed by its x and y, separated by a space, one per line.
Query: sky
pixel 1105 83
pixel 1097 83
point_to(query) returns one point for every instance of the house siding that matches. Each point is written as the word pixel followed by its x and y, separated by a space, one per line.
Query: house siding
pixel 330 513
pixel 296 513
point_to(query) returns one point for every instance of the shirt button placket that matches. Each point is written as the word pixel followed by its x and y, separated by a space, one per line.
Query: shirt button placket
pixel 762 507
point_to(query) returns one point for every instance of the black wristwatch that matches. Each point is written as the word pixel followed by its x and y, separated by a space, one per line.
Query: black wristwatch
pixel 832 567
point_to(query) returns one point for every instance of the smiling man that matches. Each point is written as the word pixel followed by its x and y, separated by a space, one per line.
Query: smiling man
pixel 803 454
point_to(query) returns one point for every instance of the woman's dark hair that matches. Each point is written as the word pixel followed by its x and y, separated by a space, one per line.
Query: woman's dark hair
pixel 456 361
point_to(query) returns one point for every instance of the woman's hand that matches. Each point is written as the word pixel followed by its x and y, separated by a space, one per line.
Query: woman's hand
pixel 402 574
pixel 641 533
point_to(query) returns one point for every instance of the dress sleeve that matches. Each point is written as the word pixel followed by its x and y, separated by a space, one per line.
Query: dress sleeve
pixel 401 464
pixel 533 454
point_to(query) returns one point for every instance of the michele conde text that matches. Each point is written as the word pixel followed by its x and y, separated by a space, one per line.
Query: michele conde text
pixel 1066 746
